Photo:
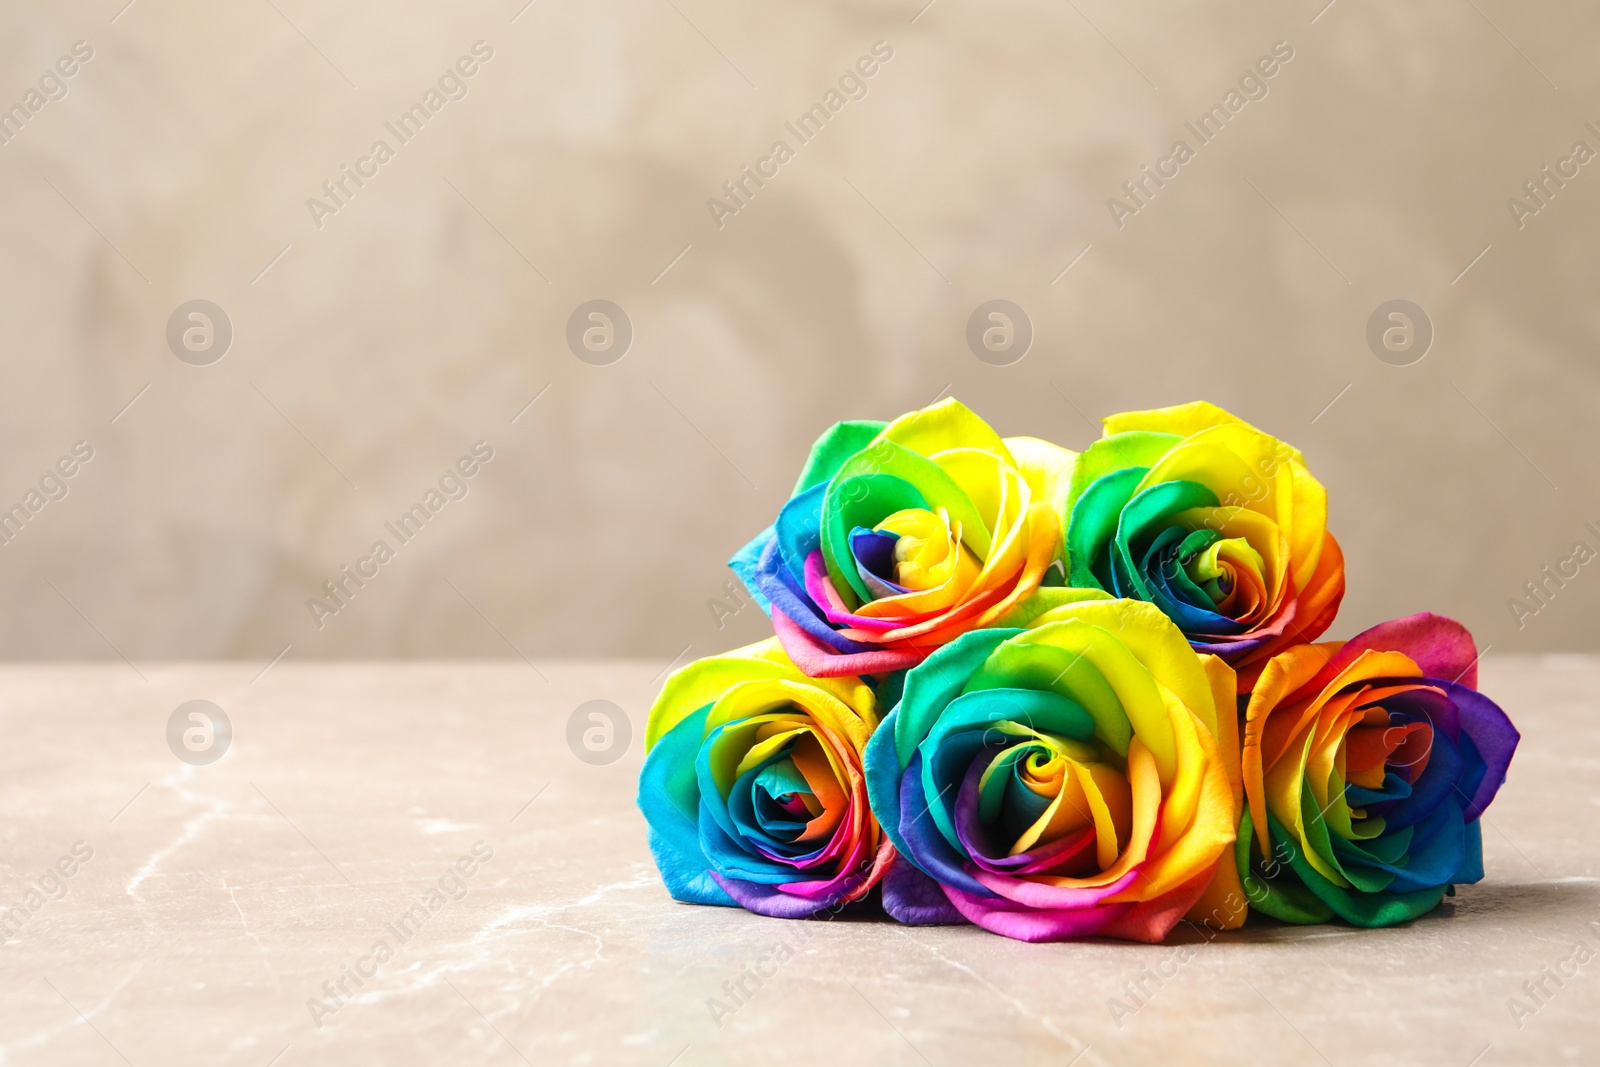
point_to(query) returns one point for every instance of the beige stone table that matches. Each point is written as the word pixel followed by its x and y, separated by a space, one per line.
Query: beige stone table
pixel 220 898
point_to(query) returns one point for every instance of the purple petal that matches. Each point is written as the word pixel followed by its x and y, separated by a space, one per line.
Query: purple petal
pixel 913 898
pixel 1493 735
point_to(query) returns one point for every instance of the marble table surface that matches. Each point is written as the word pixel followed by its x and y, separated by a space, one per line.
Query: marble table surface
pixel 210 906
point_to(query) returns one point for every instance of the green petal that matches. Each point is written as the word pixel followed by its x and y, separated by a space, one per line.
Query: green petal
pixel 1154 506
pixel 1357 908
pixel 1063 664
pixel 889 460
pixel 937 681
pixel 841 441
pixel 859 500
pixel 1138 448
pixel 1093 522
pixel 1281 897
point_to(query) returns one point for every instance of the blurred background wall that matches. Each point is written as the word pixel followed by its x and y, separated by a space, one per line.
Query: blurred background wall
pixel 378 337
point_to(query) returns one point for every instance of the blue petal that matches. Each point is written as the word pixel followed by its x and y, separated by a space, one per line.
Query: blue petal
pixel 669 799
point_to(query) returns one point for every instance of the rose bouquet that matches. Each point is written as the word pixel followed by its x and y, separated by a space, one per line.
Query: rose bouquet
pixel 1059 694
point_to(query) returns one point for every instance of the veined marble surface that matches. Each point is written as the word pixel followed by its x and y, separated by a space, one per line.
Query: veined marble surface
pixel 219 899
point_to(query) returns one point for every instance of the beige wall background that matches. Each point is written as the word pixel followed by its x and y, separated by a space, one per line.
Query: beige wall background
pixel 371 352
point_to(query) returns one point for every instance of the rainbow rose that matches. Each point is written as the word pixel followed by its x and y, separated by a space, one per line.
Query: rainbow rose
pixel 753 789
pixel 1366 766
pixel 901 537
pixel 1073 778
pixel 1219 525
